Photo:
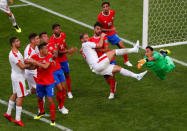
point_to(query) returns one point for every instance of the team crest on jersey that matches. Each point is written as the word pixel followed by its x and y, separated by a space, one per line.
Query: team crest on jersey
pixel 55 46
pixel 44 61
pixel 57 43
pixel 105 21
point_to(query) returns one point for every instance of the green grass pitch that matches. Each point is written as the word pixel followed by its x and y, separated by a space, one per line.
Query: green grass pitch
pixel 148 105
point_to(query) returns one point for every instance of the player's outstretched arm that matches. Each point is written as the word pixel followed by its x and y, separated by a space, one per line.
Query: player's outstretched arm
pixel 105 30
pixel 23 66
pixel 36 63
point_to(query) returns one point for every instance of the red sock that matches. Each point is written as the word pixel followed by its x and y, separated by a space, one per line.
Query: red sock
pixel 125 58
pixel 41 106
pixel 68 82
pixel 62 96
pixel 112 85
pixel 52 109
pixel 57 98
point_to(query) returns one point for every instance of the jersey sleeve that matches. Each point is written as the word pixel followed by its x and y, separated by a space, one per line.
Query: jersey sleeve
pixel 14 59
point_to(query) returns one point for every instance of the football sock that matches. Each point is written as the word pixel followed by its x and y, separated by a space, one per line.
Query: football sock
pixel 128 73
pixel 112 85
pixel 125 51
pixel 52 109
pixel 57 98
pixel 125 58
pixel 12 18
pixel 18 113
pixel 10 107
pixel 68 82
pixel 41 106
pixel 63 97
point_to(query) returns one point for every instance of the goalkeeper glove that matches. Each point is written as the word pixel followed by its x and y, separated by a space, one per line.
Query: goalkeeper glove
pixel 140 63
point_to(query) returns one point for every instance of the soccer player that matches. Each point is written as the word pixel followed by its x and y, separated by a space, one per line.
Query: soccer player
pixel 59 38
pixel 100 51
pixel 18 81
pixel 57 73
pixel 31 50
pixel 45 80
pixel 5 8
pixel 159 64
pixel 106 18
pixel 101 65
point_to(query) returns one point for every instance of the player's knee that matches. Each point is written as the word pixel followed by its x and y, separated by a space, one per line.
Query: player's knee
pixel 9 14
pixel 121 45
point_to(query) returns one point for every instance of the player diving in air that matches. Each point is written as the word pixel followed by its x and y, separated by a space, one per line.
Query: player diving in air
pixel 5 8
pixel 101 65
pixel 159 64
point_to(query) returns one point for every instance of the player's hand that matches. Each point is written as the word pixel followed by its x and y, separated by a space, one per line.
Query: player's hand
pixel 80 51
pixel 11 1
pixel 103 35
pixel 114 28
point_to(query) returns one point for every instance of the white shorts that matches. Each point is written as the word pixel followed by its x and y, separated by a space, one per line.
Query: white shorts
pixel 4 6
pixel 103 66
pixel 30 79
pixel 19 87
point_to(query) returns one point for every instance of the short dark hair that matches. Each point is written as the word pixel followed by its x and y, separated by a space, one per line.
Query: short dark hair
pixel 12 40
pixel 42 45
pixel 32 36
pixel 108 3
pixel 149 47
pixel 82 35
pixel 42 33
pixel 98 24
pixel 55 25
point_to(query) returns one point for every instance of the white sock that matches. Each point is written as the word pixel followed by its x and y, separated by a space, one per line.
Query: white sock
pixel 10 107
pixel 12 18
pixel 125 51
pixel 128 73
pixel 18 113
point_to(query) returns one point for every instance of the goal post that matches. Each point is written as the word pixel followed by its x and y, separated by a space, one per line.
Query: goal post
pixel 164 23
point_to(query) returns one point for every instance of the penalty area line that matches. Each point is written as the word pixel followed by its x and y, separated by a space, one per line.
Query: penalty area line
pixel 42 119
pixel 21 5
pixel 83 24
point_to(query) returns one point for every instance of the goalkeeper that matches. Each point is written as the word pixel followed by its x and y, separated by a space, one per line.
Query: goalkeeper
pixel 159 63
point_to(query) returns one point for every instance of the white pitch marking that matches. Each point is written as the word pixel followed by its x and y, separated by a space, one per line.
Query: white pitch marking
pixel 42 119
pixel 12 6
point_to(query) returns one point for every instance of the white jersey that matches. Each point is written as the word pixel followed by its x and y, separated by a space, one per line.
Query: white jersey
pixel 28 53
pixel 4 6
pixel 89 53
pixel 14 59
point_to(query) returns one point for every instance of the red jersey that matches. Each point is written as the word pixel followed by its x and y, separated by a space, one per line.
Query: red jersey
pixel 53 47
pixel 44 76
pixel 61 43
pixel 96 41
pixel 107 21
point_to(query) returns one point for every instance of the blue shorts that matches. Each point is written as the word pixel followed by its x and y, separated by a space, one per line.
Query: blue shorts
pixel 45 90
pixel 113 39
pixel 59 76
pixel 65 66
pixel 113 63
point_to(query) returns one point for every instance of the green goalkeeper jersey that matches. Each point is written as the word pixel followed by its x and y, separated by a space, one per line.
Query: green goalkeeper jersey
pixel 161 65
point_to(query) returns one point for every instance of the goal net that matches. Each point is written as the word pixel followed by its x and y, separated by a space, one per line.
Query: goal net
pixel 164 23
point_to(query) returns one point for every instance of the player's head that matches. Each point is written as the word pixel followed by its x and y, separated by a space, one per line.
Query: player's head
pixel 105 7
pixel 56 29
pixel 98 28
pixel 84 37
pixel 15 42
pixel 149 51
pixel 43 49
pixel 34 39
pixel 44 37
